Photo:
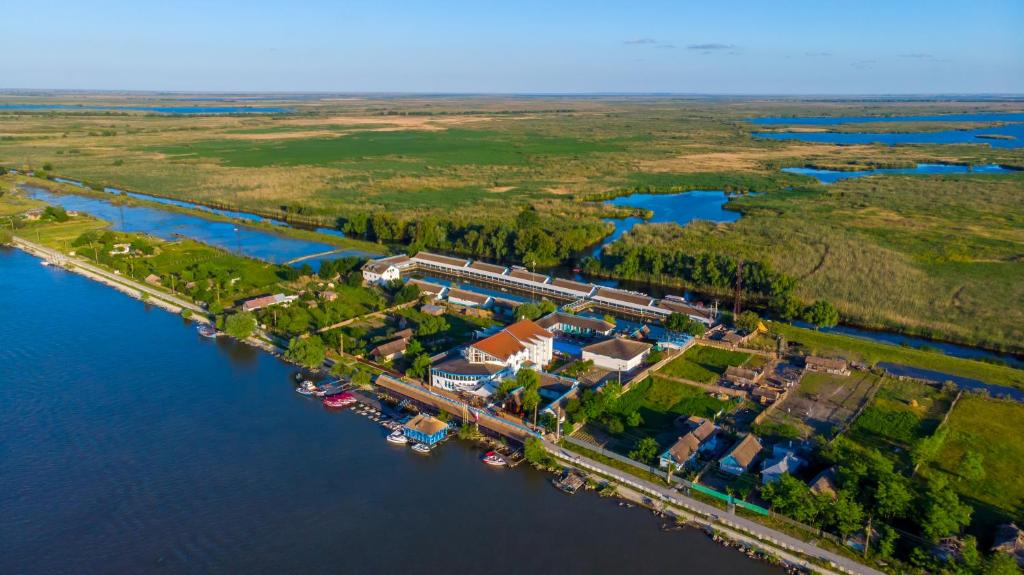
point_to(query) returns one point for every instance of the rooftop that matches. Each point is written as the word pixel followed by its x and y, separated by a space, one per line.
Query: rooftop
pixel 523 274
pixel 688 309
pixel 466 295
pixel 582 322
pixel 569 284
pixel 624 296
pixel 427 256
pixel 426 424
pixel 826 362
pixel 427 287
pixel 458 365
pixel 618 348
pixel 485 267
pixel 501 345
pixel 746 450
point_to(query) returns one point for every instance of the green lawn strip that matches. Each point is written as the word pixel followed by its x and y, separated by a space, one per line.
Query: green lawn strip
pixel 614 463
pixel 990 428
pixel 704 364
pixel 871 352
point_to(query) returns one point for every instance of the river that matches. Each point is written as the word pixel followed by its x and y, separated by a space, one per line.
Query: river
pixel 833 176
pixel 132 445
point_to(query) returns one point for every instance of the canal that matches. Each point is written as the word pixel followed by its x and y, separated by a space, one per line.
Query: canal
pixel 131 445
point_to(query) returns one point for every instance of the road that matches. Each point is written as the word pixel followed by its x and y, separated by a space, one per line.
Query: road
pixel 95 272
pixel 763 533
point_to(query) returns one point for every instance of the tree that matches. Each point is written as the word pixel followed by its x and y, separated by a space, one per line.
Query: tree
pixel 419 366
pixel 240 325
pixel 407 293
pixel 942 512
pixel 972 466
pixel 892 496
pixel 360 377
pixel 534 452
pixel 821 314
pixel 845 515
pixel 885 546
pixel 306 351
pixel 530 382
pixel 928 448
pixel 644 450
pixel 1002 564
pixel 747 321
pixel 792 498
pixel 785 306
pixel 634 419
pixel 615 425
pixel 413 348
pixel 681 323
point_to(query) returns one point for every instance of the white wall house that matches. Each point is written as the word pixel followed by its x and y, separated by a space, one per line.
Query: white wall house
pixel 617 354
pixel 496 357
pixel 384 270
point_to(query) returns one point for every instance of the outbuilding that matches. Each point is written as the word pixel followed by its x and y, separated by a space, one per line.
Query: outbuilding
pixel 426 429
pixel 617 354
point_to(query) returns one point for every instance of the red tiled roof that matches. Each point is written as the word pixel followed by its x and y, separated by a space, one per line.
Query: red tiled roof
pixel 525 329
pixel 501 345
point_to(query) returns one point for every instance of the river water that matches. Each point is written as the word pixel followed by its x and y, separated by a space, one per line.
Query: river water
pixel 131 445
pixel 833 176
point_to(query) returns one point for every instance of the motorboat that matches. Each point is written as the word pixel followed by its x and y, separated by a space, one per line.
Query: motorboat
pixel 343 399
pixel 398 437
pixel 307 388
pixel 421 448
pixel 494 458
pixel 206 330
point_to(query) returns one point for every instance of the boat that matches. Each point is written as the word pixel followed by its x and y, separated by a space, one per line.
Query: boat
pixel 44 263
pixel 494 458
pixel 421 448
pixel 343 399
pixel 206 330
pixel 307 388
pixel 398 437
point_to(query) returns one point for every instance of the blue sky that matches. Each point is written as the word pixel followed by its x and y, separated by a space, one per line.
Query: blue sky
pixel 765 47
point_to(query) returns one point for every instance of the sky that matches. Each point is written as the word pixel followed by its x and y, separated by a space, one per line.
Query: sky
pixel 526 46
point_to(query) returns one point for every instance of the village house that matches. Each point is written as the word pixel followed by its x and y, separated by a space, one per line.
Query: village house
pixel 741 455
pixel 329 295
pixel 153 279
pixel 824 483
pixel 431 309
pixel 701 437
pixel 826 365
pixel 390 351
pixel 384 270
pixel 782 461
pixel 1010 539
pixel 617 354
pixel 766 395
pixel 429 289
pixel 741 377
pixel 575 325
pixel 267 301
pixel 495 357
pixel 33 215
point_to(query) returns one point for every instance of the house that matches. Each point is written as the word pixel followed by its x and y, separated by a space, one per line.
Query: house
pixel 391 350
pixel 384 270
pixel 702 436
pixel 34 214
pixel 1010 539
pixel 153 279
pixel 824 483
pixel 406 333
pixel 120 249
pixel 467 298
pixel 431 309
pixel 267 301
pixel 741 455
pixel 826 365
pixel 499 355
pixel 575 325
pixel 782 461
pixel 425 429
pixel 766 395
pixel 617 354
pixel 675 304
pixel 741 377
pixel 949 549
pixel 429 289
pixel 329 295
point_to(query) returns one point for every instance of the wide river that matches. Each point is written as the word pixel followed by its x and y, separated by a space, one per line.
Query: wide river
pixel 128 444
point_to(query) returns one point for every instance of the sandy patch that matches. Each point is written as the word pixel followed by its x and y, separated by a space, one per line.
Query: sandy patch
pixel 750 159
pixel 395 122
pixel 500 189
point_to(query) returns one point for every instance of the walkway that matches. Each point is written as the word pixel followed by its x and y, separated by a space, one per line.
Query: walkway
pixel 763 533
pixel 316 255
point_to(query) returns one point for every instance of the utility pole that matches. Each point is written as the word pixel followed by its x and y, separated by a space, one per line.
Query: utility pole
pixel 739 290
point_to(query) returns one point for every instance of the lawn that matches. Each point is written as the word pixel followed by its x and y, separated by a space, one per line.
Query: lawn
pixel 900 414
pixel 991 428
pixel 855 348
pixel 11 204
pixel 661 401
pixel 59 235
pixel 703 364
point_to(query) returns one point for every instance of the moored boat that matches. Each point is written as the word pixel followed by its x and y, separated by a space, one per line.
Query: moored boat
pixel 494 458
pixel 421 448
pixel 343 399
pixel 307 388
pixel 206 330
pixel 398 437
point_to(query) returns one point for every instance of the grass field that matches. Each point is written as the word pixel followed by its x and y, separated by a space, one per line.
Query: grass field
pixel 703 364
pixel 934 255
pixel 815 342
pixel 823 402
pixel 900 414
pixel 990 428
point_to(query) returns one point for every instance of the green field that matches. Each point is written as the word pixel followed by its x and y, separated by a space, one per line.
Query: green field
pixel 990 428
pixel 853 348
pixel 703 364
pixel 661 401
pixel 900 414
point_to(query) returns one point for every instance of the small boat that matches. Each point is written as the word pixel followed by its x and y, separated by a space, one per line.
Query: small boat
pixel 44 263
pixel 421 448
pixel 398 437
pixel 494 458
pixel 307 388
pixel 343 399
pixel 206 330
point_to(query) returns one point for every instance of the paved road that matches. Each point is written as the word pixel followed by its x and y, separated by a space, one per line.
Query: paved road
pixel 102 274
pixel 678 499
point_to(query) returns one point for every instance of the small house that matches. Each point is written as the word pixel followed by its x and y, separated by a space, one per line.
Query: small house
pixel 467 298
pixel 1010 539
pixel 826 365
pixel 431 309
pixel 617 354
pixel 741 377
pixel 34 214
pixel 575 325
pixel 824 483
pixel 329 295
pixel 741 455
pixel 781 462
pixel 384 270
pixel 390 351
pixel 700 438
pixel 153 279
pixel 425 429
